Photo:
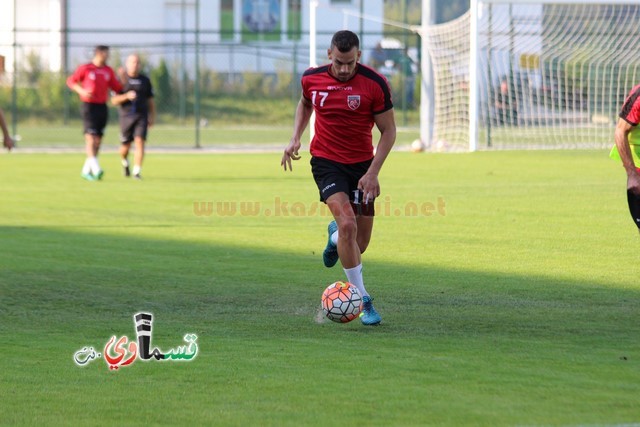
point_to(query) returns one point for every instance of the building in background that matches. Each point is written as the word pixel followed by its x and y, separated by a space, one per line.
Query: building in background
pixel 233 35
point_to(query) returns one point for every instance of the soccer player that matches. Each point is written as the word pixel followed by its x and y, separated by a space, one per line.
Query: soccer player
pixel 627 138
pixel 348 99
pixel 7 141
pixel 137 114
pixel 92 83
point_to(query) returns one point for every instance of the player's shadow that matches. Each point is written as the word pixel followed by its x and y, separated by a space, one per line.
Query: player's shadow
pixel 96 278
pixel 254 311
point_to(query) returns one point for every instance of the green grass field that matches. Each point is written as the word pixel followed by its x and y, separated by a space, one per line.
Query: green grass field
pixel 516 306
pixel 180 137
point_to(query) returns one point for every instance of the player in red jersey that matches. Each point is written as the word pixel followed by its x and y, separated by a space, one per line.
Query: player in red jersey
pixel 627 138
pixel 92 82
pixel 348 99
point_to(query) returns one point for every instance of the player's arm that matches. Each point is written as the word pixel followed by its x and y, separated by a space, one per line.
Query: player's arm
pixel 6 138
pixel 84 93
pixel 622 143
pixel 114 82
pixel 73 82
pixel 386 124
pixel 300 122
pixel 121 98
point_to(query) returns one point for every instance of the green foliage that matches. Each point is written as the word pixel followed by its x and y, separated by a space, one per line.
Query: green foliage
pixel 163 89
pixel 115 58
pixel 284 84
pixel 213 83
pixel 51 88
pixel 32 68
pixel 256 84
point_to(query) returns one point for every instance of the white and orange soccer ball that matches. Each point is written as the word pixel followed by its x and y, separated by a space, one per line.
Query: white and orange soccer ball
pixel 417 146
pixel 341 302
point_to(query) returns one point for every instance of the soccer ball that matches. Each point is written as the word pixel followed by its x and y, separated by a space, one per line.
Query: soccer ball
pixel 442 146
pixel 417 146
pixel 341 302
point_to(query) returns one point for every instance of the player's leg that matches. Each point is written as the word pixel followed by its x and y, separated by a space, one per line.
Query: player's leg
pixel 369 315
pixel 102 116
pixel 126 138
pixel 96 170
pixel 365 228
pixel 138 156
pixel 351 243
pixel 124 158
pixel 345 219
pixel 95 122
pixel 89 148
pixel 140 136
pixel 90 152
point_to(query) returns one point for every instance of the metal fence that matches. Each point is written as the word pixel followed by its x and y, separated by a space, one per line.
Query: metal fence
pixel 200 86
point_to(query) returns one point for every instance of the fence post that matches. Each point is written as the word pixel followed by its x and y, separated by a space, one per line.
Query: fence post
pixel 196 104
pixel 14 88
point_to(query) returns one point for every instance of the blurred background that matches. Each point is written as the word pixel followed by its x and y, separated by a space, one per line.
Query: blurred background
pixel 214 64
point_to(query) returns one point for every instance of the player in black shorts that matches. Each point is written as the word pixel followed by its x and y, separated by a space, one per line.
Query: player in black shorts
pixel 333 177
pixel 93 82
pixel 348 99
pixel 137 114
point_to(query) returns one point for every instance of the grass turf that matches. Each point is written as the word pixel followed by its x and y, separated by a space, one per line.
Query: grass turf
pixel 247 136
pixel 516 304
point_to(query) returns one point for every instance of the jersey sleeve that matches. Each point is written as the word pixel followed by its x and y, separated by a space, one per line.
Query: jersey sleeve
pixel 630 111
pixel 76 77
pixel 305 86
pixel 382 100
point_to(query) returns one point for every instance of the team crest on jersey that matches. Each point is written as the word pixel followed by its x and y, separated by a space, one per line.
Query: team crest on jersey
pixel 353 101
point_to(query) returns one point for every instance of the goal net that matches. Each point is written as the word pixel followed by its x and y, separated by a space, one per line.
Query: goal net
pixel 521 74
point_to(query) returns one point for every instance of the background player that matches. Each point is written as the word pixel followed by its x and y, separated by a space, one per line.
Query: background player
pixel 348 98
pixel 92 83
pixel 7 141
pixel 137 114
pixel 627 138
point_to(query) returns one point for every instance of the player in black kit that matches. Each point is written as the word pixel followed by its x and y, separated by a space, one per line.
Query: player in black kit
pixel 137 114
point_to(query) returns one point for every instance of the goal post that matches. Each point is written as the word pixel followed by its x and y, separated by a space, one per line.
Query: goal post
pixel 528 74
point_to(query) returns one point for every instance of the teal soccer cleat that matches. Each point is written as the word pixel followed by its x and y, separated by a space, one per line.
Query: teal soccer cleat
pixel 369 315
pixel 330 254
pixel 88 176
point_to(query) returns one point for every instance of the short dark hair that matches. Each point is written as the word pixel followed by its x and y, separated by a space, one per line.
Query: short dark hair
pixel 345 40
pixel 101 48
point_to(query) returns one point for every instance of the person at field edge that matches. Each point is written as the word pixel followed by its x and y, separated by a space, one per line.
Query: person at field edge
pixel 627 139
pixel 92 82
pixel 137 114
pixel 348 99
pixel 506 104
pixel 7 141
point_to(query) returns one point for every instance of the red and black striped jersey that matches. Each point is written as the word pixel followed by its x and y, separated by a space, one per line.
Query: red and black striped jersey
pixel 345 112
